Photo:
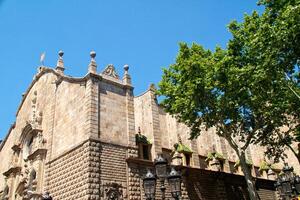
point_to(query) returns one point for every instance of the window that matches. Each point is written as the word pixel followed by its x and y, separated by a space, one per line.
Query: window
pixel 146 152
pixel 29 144
pixel 187 159
pixel 185 151
pixel 27 149
pixel 257 172
pixel 32 180
pixel 144 146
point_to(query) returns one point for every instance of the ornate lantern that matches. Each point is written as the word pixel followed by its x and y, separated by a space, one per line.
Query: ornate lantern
pixel 286 186
pixel 149 183
pixel 288 171
pixel 161 167
pixel 174 180
pixel 297 184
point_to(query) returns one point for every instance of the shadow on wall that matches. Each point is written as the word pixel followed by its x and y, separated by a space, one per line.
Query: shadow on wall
pixel 206 185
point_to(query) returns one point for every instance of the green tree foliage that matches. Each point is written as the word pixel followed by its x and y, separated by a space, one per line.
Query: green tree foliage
pixel 277 39
pixel 249 91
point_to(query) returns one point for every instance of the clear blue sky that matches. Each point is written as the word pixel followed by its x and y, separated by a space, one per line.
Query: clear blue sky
pixel 143 34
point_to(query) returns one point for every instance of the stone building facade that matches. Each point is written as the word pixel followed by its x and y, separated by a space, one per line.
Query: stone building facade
pixel 90 138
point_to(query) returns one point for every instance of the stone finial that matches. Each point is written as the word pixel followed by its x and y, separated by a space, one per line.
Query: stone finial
pixel 153 90
pixel 152 87
pixel 126 77
pixel 60 68
pixel 126 68
pixel 93 64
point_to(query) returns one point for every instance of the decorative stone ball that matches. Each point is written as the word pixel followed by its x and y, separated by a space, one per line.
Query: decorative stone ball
pixel 126 67
pixel 61 53
pixel 93 54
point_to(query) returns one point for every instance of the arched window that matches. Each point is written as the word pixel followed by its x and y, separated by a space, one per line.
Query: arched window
pixel 32 180
pixel 27 148
pixel 29 144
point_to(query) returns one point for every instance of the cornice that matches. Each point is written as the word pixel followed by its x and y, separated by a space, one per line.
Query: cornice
pixel 36 153
pixel 13 169
pixel 45 70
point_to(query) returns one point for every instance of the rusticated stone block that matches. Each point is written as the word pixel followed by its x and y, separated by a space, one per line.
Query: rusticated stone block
pixel 76 175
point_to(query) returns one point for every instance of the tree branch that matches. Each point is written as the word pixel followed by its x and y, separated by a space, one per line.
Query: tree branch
pixel 248 140
pixel 295 93
pixel 287 144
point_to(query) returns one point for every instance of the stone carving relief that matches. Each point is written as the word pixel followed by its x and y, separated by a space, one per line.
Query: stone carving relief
pixel 27 186
pixel 36 116
pixel 112 191
pixel 28 155
pixel 110 71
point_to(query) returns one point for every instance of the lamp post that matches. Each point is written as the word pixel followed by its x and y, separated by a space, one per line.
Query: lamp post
pixel 149 183
pixel 160 164
pixel 174 180
pixel 288 185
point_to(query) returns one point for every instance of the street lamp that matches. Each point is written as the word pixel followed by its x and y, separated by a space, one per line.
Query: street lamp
pixel 174 180
pixel 288 185
pixel 288 171
pixel 160 164
pixel 149 183
pixel 297 184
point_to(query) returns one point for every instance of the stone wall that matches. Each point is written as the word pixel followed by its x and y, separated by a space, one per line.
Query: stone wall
pixel 113 117
pixel 113 169
pixel 76 173
pixel 143 116
pixel 69 117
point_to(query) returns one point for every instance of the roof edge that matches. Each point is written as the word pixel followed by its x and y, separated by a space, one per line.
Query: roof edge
pixel 44 70
pixel 7 135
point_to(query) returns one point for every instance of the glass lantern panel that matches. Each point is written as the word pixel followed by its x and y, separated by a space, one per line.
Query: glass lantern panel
pixel 178 184
pixel 286 187
pixel 161 170
pixel 289 175
pixel 149 186
pixel 175 184
pixel 172 185
pixel 297 187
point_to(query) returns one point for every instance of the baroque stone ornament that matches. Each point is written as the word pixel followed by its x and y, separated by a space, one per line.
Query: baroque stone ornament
pixel 112 191
pixel 110 71
pixel 36 116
